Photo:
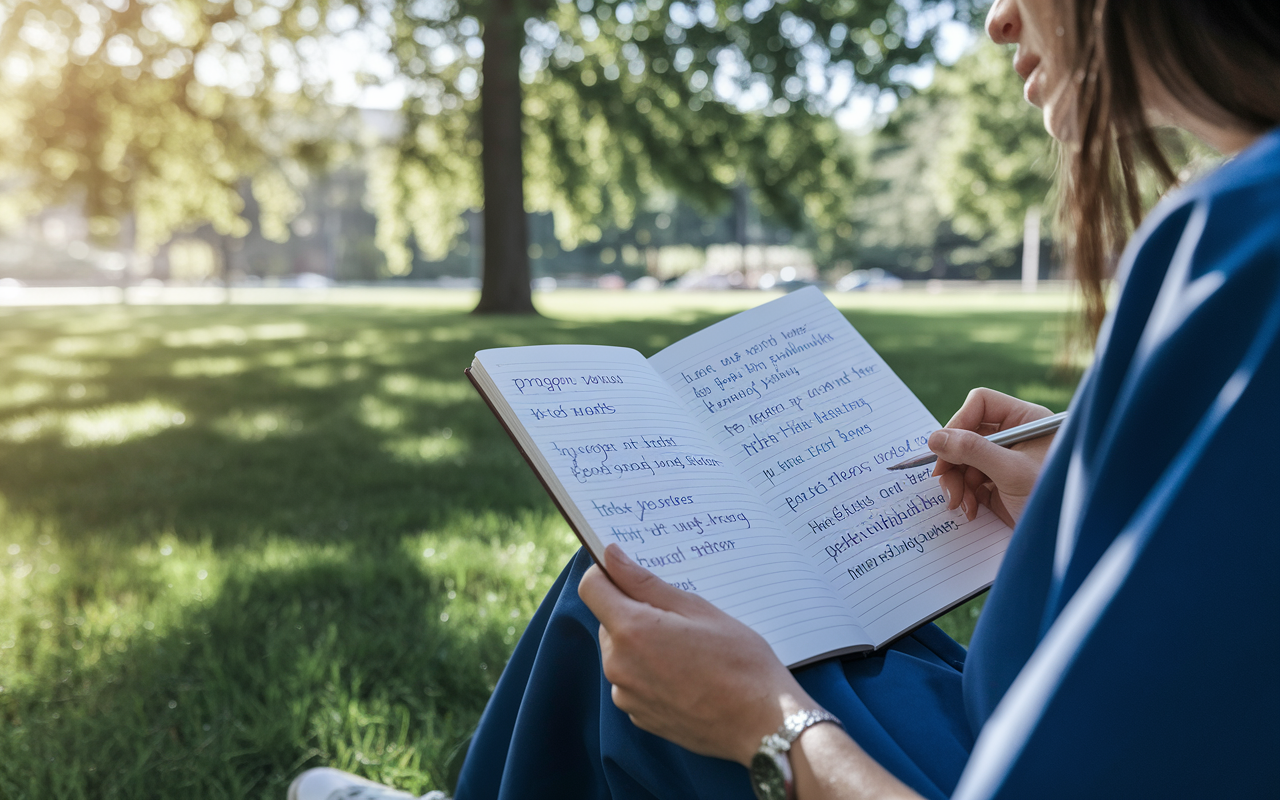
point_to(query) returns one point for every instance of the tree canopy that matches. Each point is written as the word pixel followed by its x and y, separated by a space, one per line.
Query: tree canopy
pixel 161 112
pixel 168 111
pixel 947 182
pixel 996 161
pixel 619 99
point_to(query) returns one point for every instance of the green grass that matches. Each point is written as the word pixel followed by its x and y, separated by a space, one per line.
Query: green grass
pixel 236 542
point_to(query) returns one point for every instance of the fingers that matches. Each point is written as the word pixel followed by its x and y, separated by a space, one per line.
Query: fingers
pixel 1003 466
pixel 975 472
pixel 979 406
pixel 613 667
pixel 987 408
pixel 975 483
pixel 953 486
pixel 609 603
pixel 959 488
pixel 631 589
pixel 973 478
pixel 641 584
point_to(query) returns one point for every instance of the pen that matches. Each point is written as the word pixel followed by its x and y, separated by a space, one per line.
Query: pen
pixel 1006 438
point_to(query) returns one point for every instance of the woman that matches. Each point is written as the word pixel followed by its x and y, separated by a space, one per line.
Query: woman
pixel 1127 647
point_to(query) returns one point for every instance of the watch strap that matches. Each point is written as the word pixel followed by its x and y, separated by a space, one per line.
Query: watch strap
pixel 799 722
pixel 770 771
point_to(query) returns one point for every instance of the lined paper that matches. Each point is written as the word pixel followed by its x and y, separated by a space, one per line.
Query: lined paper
pixel 812 417
pixel 640 472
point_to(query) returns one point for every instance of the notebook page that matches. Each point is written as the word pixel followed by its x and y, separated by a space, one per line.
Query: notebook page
pixel 642 474
pixel 812 416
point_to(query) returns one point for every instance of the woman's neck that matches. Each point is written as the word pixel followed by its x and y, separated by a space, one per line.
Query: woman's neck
pixel 1220 131
pixel 1228 140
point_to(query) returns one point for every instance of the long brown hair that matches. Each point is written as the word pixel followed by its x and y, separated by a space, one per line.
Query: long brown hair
pixel 1218 59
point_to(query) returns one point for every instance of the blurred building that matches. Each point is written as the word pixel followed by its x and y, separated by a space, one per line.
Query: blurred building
pixel 332 240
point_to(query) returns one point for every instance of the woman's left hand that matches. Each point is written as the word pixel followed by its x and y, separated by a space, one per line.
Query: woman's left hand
pixel 682 668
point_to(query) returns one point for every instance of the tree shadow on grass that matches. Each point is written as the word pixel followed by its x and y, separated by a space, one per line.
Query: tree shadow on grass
pixel 324 424
pixel 362 424
pixel 376 665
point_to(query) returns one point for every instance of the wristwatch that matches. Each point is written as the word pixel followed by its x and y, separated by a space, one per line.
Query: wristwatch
pixel 771 765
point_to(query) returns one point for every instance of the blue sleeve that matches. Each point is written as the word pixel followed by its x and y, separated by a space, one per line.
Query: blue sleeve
pixel 1144 601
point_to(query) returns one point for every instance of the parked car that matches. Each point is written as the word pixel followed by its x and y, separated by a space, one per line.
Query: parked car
pixel 868 280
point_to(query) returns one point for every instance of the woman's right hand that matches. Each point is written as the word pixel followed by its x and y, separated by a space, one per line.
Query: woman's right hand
pixel 974 471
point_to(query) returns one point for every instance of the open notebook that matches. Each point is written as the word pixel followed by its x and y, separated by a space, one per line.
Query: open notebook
pixel 748 463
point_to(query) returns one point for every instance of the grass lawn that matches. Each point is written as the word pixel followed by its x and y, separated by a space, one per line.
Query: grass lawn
pixel 239 541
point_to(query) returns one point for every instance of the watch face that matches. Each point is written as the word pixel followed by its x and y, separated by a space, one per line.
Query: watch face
pixel 770 776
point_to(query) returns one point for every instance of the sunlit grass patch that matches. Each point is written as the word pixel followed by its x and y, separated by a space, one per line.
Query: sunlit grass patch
pixel 315 376
pixel 212 336
pixel 995 334
pixel 120 343
pixel 526 555
pixel 23 429
pixel 119 423
pixel 69 605
pixel 666 306
pixel 379 414
pixel 354 349
pixel 672 306
pixel 452 333
pixel 277 331
pixel 377 650
pixel 256 426
pixel 442 446
pixel 104 425
pixel 208 367
pixel 408 385
pixel 57 367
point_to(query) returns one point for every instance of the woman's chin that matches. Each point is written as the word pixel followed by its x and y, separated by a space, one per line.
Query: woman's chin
pixel 1031 93
pixel 1056 122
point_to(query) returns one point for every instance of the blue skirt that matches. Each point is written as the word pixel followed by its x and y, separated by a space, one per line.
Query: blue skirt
pixel 552 730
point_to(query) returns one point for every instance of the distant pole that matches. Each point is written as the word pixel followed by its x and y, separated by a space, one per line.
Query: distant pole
pixel 475 229
pixel 226 268
pixel 331 219
pixel 1031 250
pixel 129 247
pixel 741 206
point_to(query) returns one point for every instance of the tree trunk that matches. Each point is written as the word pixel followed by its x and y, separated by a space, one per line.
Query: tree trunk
pixel 504 287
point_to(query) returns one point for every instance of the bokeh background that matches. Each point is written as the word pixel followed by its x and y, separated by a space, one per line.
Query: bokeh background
pixel 287 142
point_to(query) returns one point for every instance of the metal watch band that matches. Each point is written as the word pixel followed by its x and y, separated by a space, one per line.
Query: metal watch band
pixel 798 722
pixel 793 726
pixel 770 769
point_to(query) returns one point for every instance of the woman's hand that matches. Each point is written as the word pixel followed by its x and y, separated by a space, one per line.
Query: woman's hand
pixel 682 668
pixel 974 471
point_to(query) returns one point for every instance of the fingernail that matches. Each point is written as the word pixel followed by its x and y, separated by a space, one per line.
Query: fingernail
pixel 947 493
pixel 938 440
pixel 964 506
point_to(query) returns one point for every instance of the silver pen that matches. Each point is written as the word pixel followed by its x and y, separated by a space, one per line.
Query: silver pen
pixel 1006 438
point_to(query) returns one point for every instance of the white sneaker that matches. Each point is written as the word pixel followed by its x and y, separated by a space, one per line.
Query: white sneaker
pixel 327 783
